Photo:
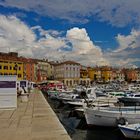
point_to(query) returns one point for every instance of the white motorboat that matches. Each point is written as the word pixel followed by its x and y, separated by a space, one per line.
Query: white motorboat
pixel 111 116
pixel 76 97
pixel 131 98
pixel 67 96
pixel 92 98
pixel 130 130
pixel 80 102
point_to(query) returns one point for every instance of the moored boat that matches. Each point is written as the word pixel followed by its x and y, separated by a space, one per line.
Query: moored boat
pixel 130 130
pixel 131 98
pixel 111 116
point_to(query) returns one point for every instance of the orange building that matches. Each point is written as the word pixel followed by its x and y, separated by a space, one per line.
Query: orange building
pixel 29 69
pixel 131 75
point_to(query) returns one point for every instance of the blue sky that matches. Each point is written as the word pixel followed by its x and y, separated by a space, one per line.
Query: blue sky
pixel 103 32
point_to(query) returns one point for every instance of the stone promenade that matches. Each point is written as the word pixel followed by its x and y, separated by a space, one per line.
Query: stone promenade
pixel 32 120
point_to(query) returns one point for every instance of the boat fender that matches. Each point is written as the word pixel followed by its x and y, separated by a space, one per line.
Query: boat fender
pixel 121 121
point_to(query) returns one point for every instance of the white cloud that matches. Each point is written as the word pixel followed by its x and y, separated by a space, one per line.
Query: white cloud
pixel 115 12
pixel 129 41
pixel 83 47
pixel 75 44
pixel 128 50
pixel 15 35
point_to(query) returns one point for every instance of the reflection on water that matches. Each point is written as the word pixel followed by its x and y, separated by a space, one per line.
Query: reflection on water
pixel 82 132
pixel 104 134
pixel 98 134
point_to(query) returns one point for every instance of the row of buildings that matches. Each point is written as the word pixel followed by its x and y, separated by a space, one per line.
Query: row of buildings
pixel 69 72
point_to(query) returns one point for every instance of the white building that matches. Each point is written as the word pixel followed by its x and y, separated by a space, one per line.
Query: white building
pixel 68 72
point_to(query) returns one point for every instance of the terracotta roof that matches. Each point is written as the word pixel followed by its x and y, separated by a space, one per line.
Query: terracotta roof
pixel 14 57
pixel 68 62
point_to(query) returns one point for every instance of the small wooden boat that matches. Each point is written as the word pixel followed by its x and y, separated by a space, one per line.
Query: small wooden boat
pixel 130 130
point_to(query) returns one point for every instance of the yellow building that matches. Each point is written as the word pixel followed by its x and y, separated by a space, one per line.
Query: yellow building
pixel 94 74
pixel 91 73
pixel 106 73
pixel 83 72
pixel 10 65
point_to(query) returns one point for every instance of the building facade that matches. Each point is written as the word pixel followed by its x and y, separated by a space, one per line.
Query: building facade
pixel 10 64
pixel 29 69
pixel 138 75
pixel 44 70
pixel 84 76
pixel 131 75
pixel 51 74
pixel 68 72
pixel 106 74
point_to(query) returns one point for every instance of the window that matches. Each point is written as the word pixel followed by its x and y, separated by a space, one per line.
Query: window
pixel 15 67
pixel 19 75
pixel 137 95
pixel 5 67
pixel 10 67
pixel 0 67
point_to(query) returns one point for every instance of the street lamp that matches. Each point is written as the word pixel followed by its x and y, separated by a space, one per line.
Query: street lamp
pixel 16 68
pixel 24 75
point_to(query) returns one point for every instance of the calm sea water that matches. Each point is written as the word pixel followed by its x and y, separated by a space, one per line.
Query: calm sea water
pixel 77 128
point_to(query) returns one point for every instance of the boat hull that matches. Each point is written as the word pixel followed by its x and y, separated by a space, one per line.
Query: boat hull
pixel 108 118
pixel 130 132
pixel 129 100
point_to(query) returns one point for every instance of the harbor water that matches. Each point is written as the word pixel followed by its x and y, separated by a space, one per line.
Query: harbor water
pixel 77 128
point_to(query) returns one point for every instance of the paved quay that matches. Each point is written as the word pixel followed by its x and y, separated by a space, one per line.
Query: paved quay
pixel 32 120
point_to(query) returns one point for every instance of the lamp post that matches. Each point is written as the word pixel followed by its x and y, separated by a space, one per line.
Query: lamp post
pixel 24 75
pixel 16 68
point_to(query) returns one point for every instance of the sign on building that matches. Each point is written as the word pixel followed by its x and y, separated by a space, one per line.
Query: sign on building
pixel 8 91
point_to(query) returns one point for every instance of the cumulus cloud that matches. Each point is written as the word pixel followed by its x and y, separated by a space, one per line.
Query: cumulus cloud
pixel 129 41
pixel 15 35
pixel 75 45
pixel 128 50
pixel 81 42
pixel 116 12
pixel 83 47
